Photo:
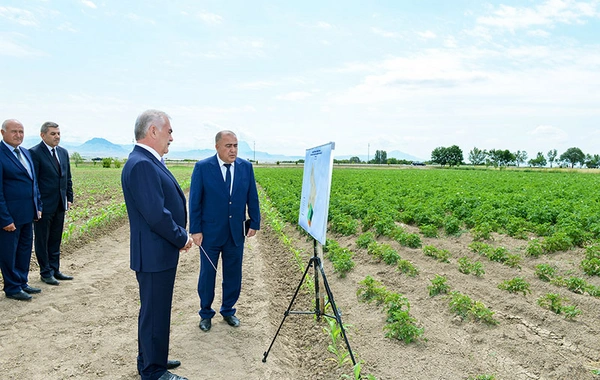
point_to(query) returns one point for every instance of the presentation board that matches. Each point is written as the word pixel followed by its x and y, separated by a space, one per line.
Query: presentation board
pixel 316 188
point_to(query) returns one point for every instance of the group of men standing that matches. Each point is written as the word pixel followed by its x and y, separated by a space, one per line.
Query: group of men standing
pixel 31 181
pixel 223 207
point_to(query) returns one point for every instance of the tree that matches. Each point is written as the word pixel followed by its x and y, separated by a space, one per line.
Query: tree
pixel 539 161
pixel 380 157
pixel 477 156
pixel 499 157
pixel 77 159
pixel 573 156
pixel 552 153
pixel 520 156
pixel 454 155
pixel 354 160
pixel 592 161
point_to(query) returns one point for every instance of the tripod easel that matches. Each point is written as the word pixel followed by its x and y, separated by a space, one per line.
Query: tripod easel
pixel 315 261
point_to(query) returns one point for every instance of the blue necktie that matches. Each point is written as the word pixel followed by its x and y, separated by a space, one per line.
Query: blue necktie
pixel 228 178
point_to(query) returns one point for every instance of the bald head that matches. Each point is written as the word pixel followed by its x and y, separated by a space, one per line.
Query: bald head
pixel 13 132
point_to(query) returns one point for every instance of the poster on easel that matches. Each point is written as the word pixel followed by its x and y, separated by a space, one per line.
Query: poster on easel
pixel 316 189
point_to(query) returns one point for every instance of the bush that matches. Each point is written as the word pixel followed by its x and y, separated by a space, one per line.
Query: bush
pixel 106 162
pixel 365 239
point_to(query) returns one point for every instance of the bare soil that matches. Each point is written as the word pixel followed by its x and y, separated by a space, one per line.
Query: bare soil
pixel 86 328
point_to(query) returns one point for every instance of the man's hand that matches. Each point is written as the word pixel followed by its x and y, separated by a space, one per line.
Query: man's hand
pixel 197 238
pixel 10 228
pixel 251 232
pixel 188 245
pixel 69 205
pixel 39 215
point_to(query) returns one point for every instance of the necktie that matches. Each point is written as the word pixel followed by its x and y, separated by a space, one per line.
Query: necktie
pixel 56 163
pixel 23 161
pixel 228 178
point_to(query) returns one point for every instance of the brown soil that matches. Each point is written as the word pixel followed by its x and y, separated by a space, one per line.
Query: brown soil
pixel 86 328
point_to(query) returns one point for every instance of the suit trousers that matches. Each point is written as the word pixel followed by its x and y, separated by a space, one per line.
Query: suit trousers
pixel 231 257
pixel 15 254
pixel 154 322
pixel 48 236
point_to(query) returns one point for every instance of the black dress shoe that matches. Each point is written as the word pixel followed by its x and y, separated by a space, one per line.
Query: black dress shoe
pixel 171 376
pixel 29 290
pixel 173 364
pixel 232 320
pixel 205 324
pixel 62 276
pixel 50 280
pixel 21 296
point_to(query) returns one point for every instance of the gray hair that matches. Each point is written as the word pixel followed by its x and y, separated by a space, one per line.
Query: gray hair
pixel 146 120
pixel 47 125
pixel 5 123
pixel 221 133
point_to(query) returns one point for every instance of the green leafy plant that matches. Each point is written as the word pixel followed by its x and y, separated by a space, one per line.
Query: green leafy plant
pixel 334 331
pixel 365 239
pixel 442 255
pixel 438 286
pixel 534 248
pixel 576 285
pixel 466 266
pixel 463 306
pixel 356 373
pixel 515 285
pixel 429 230
pixel 405 266
pixel 371 290
pixel 545 272
pixel 552 302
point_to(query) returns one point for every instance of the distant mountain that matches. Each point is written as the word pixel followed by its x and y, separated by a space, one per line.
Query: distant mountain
pixel 99 147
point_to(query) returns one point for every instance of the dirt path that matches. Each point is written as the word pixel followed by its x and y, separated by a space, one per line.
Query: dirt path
pixel 86 328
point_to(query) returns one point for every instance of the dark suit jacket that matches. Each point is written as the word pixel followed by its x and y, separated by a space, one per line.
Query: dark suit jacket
pixel 210 210
pixel 54 188
pixel 156 210
pixel 20 199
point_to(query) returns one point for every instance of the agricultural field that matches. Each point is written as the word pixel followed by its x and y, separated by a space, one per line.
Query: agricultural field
pixel 460 274
pixel 438 274
pixel 99 203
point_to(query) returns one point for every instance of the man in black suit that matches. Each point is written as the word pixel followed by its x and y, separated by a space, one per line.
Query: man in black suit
pixel 20 205
pixel 53 171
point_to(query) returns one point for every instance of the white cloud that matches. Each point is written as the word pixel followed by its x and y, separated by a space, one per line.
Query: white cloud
pixel 384 33
pixel 428 34
pixel 210 18
pixel 293 96
pixel 89 3
pixel 546 14
pixel 549 133
pixel 67 27
pixel 9 46
pixel 316 25
pixel 137 18
pixel 20 16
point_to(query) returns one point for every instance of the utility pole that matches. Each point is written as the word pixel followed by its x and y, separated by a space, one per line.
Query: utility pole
pixel 368 151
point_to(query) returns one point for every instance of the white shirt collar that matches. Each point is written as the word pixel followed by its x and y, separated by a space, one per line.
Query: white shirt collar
pixel 149 149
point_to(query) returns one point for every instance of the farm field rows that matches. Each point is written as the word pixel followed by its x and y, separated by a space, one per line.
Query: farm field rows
pixel 489 274
pixel 439 274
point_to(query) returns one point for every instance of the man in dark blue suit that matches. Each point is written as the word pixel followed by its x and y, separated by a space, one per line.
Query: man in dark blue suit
pixel 222 194
pixel 20 205
pixel 53 170
pixel 157 218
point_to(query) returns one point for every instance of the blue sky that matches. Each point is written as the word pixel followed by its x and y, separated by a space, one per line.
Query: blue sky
pixel 290 75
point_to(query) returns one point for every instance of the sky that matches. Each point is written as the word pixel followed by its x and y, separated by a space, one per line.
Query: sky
pixel 290 75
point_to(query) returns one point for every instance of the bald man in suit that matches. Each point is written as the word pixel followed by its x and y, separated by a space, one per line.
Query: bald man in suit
pixel 20 205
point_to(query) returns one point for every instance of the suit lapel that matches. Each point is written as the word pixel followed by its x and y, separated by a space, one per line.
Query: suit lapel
pixel 49 157
pixel 15 160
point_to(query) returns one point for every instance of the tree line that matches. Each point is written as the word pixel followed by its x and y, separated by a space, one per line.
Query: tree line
pixel 453 156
